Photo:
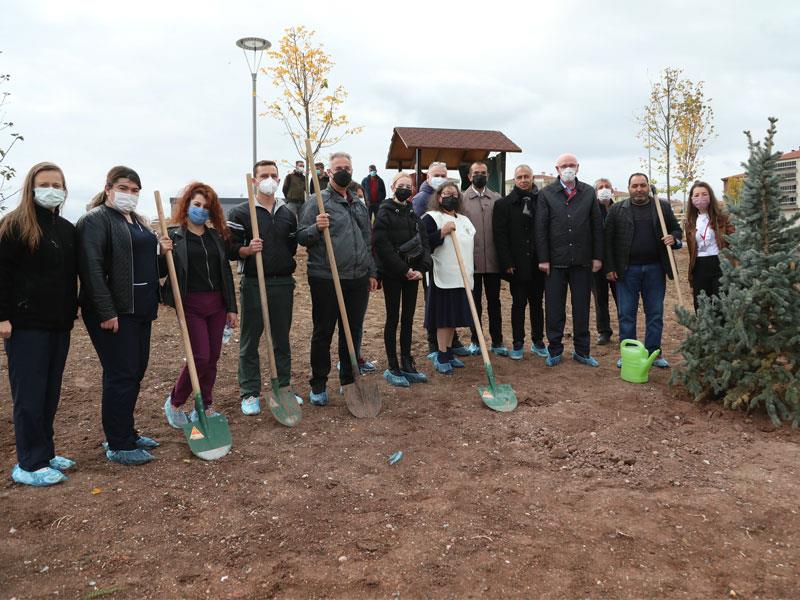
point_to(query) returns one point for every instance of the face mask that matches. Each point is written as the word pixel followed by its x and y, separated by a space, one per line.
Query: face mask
pixel 49 197
pixel 450 203
pixel 298 169
pixel 373 173
pixel 604 194
pixel 342 178
pixel 701 202
pixel 125 202
pixel 402 194
pixel 268 186
pixel 568 174
pixel 437 181
pixel 479 180
pixel 197 215
pixel 319 172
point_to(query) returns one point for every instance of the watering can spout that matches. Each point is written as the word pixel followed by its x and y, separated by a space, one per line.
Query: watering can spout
pixel 651 359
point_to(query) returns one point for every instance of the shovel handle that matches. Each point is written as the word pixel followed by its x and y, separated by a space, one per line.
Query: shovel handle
pixel 334 270
pixel 262 285
pixel 672 264
pixel 176 293
pixel 468 291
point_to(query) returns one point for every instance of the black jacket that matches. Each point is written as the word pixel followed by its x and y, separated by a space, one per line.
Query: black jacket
pixel 39 290
pixel 105 263
pixel 394 225
pixel 180 255
pixel 514 237
pixel 278 231
pixel 619 236
pixel 568 234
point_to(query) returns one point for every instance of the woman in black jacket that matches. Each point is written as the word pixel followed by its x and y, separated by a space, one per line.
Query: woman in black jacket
pixel 206 287
pixel 402 255
pixel 118 266
pixel 38 306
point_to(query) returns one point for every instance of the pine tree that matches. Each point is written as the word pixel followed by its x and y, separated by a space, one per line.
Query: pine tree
pixel 743 348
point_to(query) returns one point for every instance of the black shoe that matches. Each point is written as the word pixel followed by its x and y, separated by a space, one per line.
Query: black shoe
pixel 603 339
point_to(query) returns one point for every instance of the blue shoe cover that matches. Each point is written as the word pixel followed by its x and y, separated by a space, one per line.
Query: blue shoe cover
pixel 60 463
pixel 39 478
pixel 129 457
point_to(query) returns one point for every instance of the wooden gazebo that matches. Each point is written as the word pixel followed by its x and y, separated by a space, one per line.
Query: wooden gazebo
pixel 417 147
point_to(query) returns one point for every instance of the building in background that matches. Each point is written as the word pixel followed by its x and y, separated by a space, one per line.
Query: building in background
pixel 787 168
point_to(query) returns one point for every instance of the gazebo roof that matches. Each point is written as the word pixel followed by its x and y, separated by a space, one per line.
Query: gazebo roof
pixel 452 146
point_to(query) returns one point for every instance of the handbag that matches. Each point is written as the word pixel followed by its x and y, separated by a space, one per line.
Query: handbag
pixel 411 250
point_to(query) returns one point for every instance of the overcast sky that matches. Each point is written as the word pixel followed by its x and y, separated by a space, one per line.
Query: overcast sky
pixel 161 86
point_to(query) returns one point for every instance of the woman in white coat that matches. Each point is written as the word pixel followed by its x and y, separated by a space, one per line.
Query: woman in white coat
pixel 447 306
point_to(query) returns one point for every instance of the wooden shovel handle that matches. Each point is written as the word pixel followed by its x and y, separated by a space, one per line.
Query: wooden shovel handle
pixel 262 284
pixel 334 270
pixel 468 291
pixel 176 294
pixel 672 264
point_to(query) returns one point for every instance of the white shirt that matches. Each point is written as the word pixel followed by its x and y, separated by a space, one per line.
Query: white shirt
pixel 705 237
pixel 446 272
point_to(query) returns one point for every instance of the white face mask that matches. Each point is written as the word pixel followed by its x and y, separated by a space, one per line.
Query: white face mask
pixel 125 202
pixel 568 174
pixel 604 194
pixel 268 186
pixel 437 181
pixel 48 197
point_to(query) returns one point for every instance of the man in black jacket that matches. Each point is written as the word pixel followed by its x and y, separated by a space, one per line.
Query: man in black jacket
pixel 277 227
pixel 294 188
pixel 637 259
pixel 569 242
pixel 513 227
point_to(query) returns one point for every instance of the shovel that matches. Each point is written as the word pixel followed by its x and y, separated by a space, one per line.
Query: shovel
pixel 282 403
pixel 498 396
pixel 209 437
pixel 362 397
pixel 670 253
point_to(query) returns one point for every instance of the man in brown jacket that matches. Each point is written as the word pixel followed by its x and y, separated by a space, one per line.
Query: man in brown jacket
pixel 478 207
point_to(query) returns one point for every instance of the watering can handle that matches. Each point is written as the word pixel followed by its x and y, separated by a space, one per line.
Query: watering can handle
pixel 627 343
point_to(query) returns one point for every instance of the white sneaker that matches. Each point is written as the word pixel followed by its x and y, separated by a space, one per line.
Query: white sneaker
pixel 251 405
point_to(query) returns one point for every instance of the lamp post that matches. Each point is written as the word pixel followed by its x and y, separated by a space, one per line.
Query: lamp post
pixel 256 46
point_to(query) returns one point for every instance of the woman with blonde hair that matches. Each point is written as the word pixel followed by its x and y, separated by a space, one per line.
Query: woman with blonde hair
pixel 206 287
pixel 118 265
pixel 38 307
pixel 402 256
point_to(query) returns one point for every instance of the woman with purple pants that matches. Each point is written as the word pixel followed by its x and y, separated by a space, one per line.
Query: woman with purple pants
pixel 206 287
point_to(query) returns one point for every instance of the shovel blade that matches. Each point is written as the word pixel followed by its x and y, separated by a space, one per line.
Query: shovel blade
pixel 283 406
pixel 499 397
pixel 210 441
pixel 362 398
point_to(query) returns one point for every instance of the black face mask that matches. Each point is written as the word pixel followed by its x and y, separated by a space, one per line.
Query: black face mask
pixel 450 203
pixel 342 178
pixel 402 194
pixel 479 180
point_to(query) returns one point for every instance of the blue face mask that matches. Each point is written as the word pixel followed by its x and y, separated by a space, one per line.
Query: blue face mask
pixel 197 215
pixel 373 173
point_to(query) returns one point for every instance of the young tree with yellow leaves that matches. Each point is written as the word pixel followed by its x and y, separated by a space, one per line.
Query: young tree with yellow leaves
pixel 676 123
pixel 308 107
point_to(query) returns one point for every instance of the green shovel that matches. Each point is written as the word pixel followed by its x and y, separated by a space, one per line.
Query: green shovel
pixel 209 437
pixel 498 396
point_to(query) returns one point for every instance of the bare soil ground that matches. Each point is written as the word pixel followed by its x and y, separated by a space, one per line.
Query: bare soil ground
pixel 592 488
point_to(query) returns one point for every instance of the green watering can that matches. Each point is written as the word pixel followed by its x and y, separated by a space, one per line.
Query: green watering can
pixel 635 361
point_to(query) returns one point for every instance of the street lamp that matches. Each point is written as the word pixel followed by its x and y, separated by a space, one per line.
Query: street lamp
pixel 256 46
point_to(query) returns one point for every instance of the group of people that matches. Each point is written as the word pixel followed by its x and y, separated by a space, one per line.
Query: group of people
pixel 567 236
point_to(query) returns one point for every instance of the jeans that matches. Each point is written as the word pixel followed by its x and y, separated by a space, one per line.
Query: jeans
pixel 649 282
